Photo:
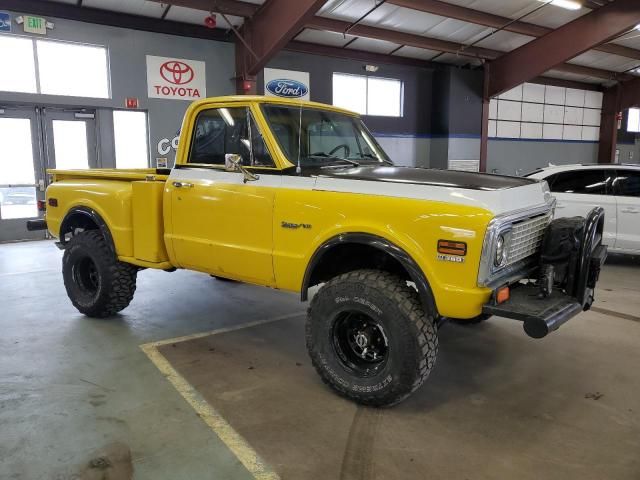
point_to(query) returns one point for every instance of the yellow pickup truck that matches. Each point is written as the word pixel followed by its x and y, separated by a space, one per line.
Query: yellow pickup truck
pixel 292 195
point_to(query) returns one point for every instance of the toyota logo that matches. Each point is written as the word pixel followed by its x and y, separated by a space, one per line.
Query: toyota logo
pixel 176 72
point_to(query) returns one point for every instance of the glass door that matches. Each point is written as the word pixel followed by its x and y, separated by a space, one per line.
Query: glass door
pixel 34 139
pixel 22 172
pixel 69 138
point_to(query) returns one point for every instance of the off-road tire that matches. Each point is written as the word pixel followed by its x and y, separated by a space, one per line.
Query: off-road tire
pixel 111 284
pixel 409 331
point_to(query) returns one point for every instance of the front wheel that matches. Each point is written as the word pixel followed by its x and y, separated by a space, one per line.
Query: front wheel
pixel 369 337
pixel 97 284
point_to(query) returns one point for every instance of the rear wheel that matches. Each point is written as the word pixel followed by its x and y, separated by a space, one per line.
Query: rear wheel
pixel 369 337
pixel 96 282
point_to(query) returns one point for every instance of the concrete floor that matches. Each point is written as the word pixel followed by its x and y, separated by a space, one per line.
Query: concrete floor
pixel 71 386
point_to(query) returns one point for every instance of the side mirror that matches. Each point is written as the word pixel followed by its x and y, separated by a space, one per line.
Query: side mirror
pixel 233 163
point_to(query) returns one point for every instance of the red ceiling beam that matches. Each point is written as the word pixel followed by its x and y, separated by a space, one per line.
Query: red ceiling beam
pixel 273 25
pixel 419 41
pixel 562 44
pixel 630 94
pixel 469 15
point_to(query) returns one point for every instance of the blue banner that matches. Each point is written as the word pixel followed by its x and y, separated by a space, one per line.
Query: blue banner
pixel 5 22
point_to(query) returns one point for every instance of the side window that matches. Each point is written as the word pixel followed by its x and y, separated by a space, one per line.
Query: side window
pixel 592 182
pixel 627 183
pixel 220 131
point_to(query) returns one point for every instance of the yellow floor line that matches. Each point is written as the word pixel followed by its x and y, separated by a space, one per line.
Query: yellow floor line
pixel 232 439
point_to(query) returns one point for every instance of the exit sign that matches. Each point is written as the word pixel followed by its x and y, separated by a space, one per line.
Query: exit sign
pixel 35 25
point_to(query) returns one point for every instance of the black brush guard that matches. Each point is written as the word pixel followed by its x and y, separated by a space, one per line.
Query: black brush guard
pixel 542 313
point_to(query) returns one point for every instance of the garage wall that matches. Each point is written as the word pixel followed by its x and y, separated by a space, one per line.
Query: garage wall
pixel 406 139
pixel 127 50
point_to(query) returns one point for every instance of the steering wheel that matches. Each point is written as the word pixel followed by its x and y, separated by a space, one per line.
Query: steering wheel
pixel 347 150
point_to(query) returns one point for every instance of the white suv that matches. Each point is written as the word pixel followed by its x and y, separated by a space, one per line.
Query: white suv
pixel 615 187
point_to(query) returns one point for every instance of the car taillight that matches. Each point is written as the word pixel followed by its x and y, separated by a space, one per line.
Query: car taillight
pixel 42 205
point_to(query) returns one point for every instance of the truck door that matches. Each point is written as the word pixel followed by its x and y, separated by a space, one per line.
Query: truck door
pixel 221 224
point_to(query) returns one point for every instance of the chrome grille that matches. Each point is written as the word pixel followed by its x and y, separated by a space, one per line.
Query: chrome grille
pixel 526 238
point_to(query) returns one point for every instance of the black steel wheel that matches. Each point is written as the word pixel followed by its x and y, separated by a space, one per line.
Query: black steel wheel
pixel 360 342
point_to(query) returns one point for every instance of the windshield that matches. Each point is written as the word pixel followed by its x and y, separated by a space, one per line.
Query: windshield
pixel 327 138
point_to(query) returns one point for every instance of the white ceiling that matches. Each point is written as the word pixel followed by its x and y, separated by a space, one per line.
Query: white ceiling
pixel 401 19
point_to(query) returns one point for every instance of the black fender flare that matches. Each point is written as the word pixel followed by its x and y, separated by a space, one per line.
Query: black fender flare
pixel 92 215
pixel 408 263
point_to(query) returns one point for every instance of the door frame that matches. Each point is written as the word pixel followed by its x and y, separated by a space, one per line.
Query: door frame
pixel 42 144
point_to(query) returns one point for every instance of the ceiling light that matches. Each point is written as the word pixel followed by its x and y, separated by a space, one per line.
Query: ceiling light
pixel 568 4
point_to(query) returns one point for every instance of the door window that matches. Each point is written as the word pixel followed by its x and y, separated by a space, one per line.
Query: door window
pixel 591 182
pixel 130 136
pixel 222 131
pixel 17 174
pixel 70 144
pixel 627 183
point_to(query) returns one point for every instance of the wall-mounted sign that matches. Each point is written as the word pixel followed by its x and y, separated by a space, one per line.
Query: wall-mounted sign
pixel 176 78
pixel 131 102
pixel 5 22
pixel 36 25
pixel 286 83
pixel 165 145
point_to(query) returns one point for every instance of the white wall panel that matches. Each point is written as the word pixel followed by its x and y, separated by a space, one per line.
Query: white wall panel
pixel 493 108
pixel 573 116
pixel 572 132
pixel 591 133
pixel 575 98
pixel 508 110
pixel 593 99
pixel 555 95
pixel 508 129
pixel 493 128
pixel 552 132
pixel 531 130
pixel 553 114
pixel 591 117
pixel 532 92
pixel 532 112
pixel 513 94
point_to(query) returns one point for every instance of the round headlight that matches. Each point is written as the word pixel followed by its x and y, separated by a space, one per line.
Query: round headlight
pixel 500 251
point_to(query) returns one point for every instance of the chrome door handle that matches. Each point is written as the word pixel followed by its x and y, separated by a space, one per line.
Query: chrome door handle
pixel 630 210
pixel 182 185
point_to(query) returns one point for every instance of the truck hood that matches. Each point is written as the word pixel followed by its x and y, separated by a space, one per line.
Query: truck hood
pixel 497 193
pixel 429 176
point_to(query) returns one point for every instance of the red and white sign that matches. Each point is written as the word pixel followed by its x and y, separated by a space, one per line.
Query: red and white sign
pixel 131 102
pixel 176 78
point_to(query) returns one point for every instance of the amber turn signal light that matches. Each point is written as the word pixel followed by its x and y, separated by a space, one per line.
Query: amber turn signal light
pixel 502 294
pixel 448 247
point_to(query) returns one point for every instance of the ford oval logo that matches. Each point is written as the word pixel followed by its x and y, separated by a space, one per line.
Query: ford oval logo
pixel 281 87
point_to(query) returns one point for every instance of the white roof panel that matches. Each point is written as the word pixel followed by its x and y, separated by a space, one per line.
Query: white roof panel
pixel 504 41
pixel 324 38
pixel 371 45
pixel 603 60
pixel 419 53
pixel 134 7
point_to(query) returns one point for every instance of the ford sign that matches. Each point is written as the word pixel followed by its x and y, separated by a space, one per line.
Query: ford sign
pixel 281 87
